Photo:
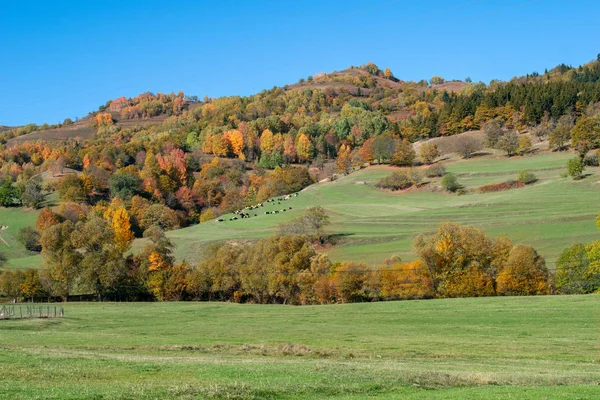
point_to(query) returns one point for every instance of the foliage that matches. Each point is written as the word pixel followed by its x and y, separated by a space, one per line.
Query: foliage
pixel 435 170
pixel 429 152
pixel 311 224
pixel 404 155
pixel 523 274
pixel 575 168
pixel 526 177
pixel 450 182
pixel 467 145
pixel 509 142
pixel 498 187
pixel 574 272
pixel 400 180
pixel 29 238
pixel 9 194
pixel 31 195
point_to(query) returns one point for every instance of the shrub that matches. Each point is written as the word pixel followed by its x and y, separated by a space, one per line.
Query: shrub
pixel 575 168
pixel 30 238
pixel 498 187
pixel 591 161
pixel 400 180
pixel 450 183
pixel 526 177
pixel 435 171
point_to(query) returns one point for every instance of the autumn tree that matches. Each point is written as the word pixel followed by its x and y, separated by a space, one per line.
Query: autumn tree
pixel 349 279
pixel 60 258
pixel 236 142
pixel 462 261
pixel 493 133
pixel 366 150
pixel 524 145
pixel 304 147
pixel 560 135
pixel 403 281
pixel 466 145
pixel 121 226
pixel 315 283
pixel 46 218
pixel 429 152
pixel 343 163
pixel 523 274
pixel 509 142
pixel 404 155
pixel 585 135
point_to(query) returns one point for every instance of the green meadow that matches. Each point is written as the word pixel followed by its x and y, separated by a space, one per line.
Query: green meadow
pixel 370 225
pixel 16 254
pixel 484 348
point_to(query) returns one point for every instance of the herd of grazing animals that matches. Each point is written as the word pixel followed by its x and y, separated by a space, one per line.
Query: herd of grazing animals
pixel 242 214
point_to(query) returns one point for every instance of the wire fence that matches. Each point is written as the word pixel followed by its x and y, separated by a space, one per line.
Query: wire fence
pixel 26 311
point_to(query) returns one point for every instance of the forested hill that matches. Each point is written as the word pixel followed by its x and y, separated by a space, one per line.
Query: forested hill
pixel 154 151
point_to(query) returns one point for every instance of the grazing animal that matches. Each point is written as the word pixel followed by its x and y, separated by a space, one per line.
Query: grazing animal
pixel 290 208
pixel 220 220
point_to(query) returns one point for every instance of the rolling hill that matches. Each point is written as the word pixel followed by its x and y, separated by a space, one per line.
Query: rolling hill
pixel 370 225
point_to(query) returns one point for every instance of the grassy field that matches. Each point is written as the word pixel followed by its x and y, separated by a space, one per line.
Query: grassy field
pixel 17 256
pixel 487 348
pixel 371 225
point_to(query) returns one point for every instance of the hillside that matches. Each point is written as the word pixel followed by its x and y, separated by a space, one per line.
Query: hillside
pixel 370 225
pixel 158 163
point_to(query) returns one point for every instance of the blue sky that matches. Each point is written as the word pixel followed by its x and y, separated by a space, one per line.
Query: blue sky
pixel 64 58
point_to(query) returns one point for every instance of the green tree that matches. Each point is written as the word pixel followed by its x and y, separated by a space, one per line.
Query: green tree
pixel 9 194
pixel 575 168
pixel 30 238
pixel 311 223
pixel 32 195
pixel 383 148
pixel 124 185
pixel 450 183
pixel 573 272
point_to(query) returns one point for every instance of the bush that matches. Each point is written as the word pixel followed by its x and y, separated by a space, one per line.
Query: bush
pixel 591 161
pixel 435 171
pixel 526 177
pixel 30 238
pixel 400 180
pixel 450 183
pixel 498 187
pixel 575 168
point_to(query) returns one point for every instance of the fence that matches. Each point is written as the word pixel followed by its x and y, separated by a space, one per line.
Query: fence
pixel 25 311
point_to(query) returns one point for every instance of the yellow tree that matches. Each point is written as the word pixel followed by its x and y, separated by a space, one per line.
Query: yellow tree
pixel 220 146
pixel 122 229
pixel 266 141
pixel 342 163
pixel 304 147
pixel 236 141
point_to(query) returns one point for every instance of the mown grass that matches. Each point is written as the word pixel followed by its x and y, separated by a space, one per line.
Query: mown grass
pixel 488 348
pixel 371 225
pixel 16 254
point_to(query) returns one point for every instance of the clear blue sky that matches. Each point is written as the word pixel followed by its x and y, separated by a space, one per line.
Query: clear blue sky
pixel 63 59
